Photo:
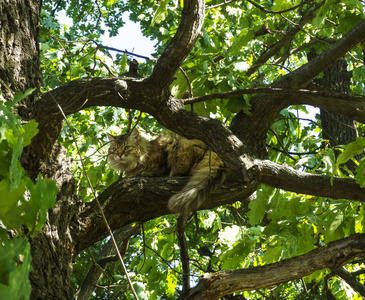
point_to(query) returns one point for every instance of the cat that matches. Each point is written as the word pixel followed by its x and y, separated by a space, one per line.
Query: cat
pixel 169 155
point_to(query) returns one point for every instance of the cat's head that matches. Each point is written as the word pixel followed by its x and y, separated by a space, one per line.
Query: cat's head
pixel 125 151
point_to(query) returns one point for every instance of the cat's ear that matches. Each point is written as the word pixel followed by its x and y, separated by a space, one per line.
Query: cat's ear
pixel 110 137
pixel 135 134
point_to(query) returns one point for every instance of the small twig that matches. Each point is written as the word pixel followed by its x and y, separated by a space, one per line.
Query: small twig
pixel 220 4
pixel 98 266
pixel 144 248
pixel 121 51
pixel 138 119
pixel 294 153
pixel 304 285
pixel 107 67
pixel 99 45
pixel 166 262
pixel 189 85
pixel 184 256
pixel 277 12
pixel 282 145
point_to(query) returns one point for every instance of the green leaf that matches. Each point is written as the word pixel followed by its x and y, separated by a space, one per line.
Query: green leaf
pixel 333 226
pixel 360 173
pixel 5 158
pixel 351 150
pixel 171 284
pixel 30 130
pixel 205 38
pixel 20 96
pixel 42 197
pixel 244 37
pixel 10 212
pixel 160 13
pixel 258 206
pixel 272 253
pixel 16 172
pixel 14 276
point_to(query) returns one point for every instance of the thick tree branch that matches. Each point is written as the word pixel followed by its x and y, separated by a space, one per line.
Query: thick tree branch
pixel 325 95
pixel 141 199
pixel 265 109
pixel 303 75
pixel 335 254
pixel 286 178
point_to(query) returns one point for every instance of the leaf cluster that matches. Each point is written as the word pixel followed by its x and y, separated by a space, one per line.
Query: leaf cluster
pixel 24 204
pixel 234 51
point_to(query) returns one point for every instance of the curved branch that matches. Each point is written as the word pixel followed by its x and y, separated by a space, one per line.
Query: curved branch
pixel 303 75
pixel 335 254
pixel 192 19
pixel 264 110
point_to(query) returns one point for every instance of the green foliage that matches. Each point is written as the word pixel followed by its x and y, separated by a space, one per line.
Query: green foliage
pixel 349 153
pixel 24 205
pixel 14 275
pixel 277 224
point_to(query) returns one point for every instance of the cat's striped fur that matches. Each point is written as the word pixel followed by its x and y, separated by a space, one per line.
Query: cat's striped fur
pixel 169 155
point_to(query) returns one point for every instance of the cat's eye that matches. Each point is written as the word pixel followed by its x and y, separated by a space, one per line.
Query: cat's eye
pixel 127 148
pixel 113 149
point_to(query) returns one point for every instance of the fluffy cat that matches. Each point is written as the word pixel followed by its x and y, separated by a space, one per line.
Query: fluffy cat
pixel 169 155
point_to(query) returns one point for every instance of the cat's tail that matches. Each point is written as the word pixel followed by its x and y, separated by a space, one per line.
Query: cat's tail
pixel 205 179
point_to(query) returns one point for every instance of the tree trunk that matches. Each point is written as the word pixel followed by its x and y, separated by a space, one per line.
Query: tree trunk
pixel 19 48
pixel 19 71
pixel 337 128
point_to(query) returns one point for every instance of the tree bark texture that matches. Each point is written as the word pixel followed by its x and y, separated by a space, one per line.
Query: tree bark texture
pixel 337 128
pixel 332 255
pixel 19 47
pixel 19 71
pixel 73 226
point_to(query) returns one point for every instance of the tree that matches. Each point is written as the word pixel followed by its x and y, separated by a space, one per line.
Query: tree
pixel 288 222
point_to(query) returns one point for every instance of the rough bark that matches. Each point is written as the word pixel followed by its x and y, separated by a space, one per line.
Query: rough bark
pixel 265 109
pixel 19 47
pixel 72 227
pixel 52 250
pixel 337 128
pixel 142 199
pixel 19 71
pixel 332 255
